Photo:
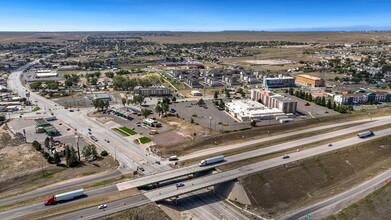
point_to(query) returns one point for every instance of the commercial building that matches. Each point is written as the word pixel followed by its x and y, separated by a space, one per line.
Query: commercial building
pixel 152 91
pixel 247 110
pixel 362 98
pixel 45 74
pixel 279 82
pixel 271 100
pixel 101 96
pixel 311 81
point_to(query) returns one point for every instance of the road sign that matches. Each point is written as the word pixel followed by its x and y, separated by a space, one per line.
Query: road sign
pixel 308 216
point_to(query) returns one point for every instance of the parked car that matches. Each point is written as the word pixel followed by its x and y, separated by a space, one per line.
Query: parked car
pixel 91 159
pixel 158 162
pixel 307 104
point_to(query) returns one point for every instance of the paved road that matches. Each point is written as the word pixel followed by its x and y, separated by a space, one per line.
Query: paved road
pixel 206 152
pixel 59 187
pixel 39 206
pixel 205 205
pixel 129 155
pixel 204 182
pixel 254 153
pixel 334 204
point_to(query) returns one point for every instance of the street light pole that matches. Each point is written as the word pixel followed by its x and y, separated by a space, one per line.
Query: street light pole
pixel 77 144
pixel 210 122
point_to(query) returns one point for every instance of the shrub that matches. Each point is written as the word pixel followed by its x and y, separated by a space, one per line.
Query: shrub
pixel 104 153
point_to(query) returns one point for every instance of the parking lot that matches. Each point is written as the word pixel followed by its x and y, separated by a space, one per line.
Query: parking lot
pixel 135 123
pixel 312 109
pixel 208 116
pixel 66 135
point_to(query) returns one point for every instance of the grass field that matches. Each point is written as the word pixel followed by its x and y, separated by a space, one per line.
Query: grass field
pixel 144 140
pixel 127 130
pixel 287 187
pixel 36 109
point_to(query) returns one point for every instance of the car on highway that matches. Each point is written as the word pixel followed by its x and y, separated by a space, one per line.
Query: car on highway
pixel 330 145
pixel 103 206
pixel 89 129
pixel 157 162
pixel 141 169
pixel 60 124
pixel 286 156
pixel 307 104
pixel 180 184
pixel 94 138
pixel 71 110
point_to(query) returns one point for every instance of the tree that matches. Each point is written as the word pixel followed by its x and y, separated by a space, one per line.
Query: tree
pixel 93 81
pixel 138 99
pixel 201 102
pixel 56 158
pixel 227 95
pixel 173 99
pixel 165 108
pixel 145 112
pixel 123 101
pixel 37 146
pixel 191 120
pixel 290 91
pixel 89 150
pixel 323 103
pixel 36 85
pixel 109 74
pixel 329 104
pixel 2 117
pixel 106 104
pixel 253 123
pixel 98 104
pixel 70 156
pixel 216 95
pixel 47 143
pixel 159 109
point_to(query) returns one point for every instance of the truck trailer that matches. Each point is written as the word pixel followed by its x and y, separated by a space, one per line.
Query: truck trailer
pixel 64 196
pixel 211 160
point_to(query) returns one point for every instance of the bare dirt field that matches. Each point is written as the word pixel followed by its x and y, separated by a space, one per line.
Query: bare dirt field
pixel 23 168
pixel 9 37
pixel 168 138
pixel 197 37
pixel 270 62
pixel 287 187
pixel 323 37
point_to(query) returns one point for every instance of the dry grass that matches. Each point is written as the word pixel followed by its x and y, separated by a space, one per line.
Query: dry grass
pixel 287 187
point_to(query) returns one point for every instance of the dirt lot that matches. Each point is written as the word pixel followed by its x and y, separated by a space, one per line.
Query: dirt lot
pixel 287 187
pixel 23 168
pixel 183 128
pixel 375 206
pixel 146 212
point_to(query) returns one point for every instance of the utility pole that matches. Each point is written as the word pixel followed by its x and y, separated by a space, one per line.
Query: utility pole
pixel 77 144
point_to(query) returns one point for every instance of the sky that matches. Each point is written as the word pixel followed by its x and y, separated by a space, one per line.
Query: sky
pixel 196 15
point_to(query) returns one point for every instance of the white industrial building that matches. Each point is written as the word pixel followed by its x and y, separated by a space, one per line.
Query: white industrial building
pixel 247 110
pixel 45 74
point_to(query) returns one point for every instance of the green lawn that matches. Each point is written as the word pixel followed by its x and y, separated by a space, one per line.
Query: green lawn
pixel 121 131
pixel 144 140
pixel 127 130
pixel 36 109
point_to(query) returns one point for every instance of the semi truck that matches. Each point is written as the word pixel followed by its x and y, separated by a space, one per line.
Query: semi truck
pixel 64 196
pixel 365 134
pixel 211 160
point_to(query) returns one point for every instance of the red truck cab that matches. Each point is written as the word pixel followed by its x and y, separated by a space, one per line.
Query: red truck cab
pixel 307 104
pixel 50 201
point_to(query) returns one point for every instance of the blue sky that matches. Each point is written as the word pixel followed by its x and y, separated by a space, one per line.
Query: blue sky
pixel 198 15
